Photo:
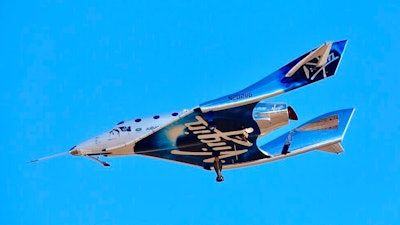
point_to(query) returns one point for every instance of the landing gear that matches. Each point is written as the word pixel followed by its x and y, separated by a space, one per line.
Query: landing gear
pixel 98 160
pixel 218 169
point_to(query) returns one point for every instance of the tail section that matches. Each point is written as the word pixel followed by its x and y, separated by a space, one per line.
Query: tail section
pixel 313 66
pixel 316 65
pixel 323 133
pixel 321 56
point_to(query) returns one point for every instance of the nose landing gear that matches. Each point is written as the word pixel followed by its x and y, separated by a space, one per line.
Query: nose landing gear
pixel 98 160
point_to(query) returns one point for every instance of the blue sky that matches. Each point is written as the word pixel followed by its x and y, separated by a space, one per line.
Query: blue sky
pixel 72 69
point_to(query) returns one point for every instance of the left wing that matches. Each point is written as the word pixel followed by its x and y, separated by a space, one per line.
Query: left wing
pixel 313 66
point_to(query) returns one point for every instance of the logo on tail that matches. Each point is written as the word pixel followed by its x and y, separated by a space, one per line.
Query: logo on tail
pixel 311 69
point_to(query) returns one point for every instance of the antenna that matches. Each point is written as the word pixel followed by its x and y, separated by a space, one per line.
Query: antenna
pixel 48 157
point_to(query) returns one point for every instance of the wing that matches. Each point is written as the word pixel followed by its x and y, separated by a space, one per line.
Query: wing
pixel 313 66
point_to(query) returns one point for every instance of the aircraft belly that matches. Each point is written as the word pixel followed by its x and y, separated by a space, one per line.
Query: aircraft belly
pixel 121 150
pixel 198 138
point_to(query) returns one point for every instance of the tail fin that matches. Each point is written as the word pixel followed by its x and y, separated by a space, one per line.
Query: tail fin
pixel 318 64
pixel 323 133
pixel 313 66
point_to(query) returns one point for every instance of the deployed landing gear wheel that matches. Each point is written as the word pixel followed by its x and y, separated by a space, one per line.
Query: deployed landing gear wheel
pixel 218 169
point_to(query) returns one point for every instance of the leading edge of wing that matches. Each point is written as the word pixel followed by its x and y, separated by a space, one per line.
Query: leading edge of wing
pixel 315 65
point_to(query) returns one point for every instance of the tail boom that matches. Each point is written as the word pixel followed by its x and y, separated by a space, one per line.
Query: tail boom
pixel 312 135
pixel 311 67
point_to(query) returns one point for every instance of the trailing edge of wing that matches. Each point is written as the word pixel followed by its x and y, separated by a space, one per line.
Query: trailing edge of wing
pixel 313 66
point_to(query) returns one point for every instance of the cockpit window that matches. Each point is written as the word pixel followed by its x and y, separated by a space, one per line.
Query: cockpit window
pixel 119 129
pixel 125 128
pixel 120 123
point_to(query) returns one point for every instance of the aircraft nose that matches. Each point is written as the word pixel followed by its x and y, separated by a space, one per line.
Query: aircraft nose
pixel 75 151
pixel 87 147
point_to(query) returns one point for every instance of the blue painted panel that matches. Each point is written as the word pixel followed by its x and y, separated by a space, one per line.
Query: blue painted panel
pixel 277 82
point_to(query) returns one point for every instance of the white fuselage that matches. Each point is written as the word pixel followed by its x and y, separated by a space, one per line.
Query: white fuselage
pixel 121 139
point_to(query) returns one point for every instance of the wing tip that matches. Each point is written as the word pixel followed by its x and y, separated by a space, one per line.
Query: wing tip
pixel 340 45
